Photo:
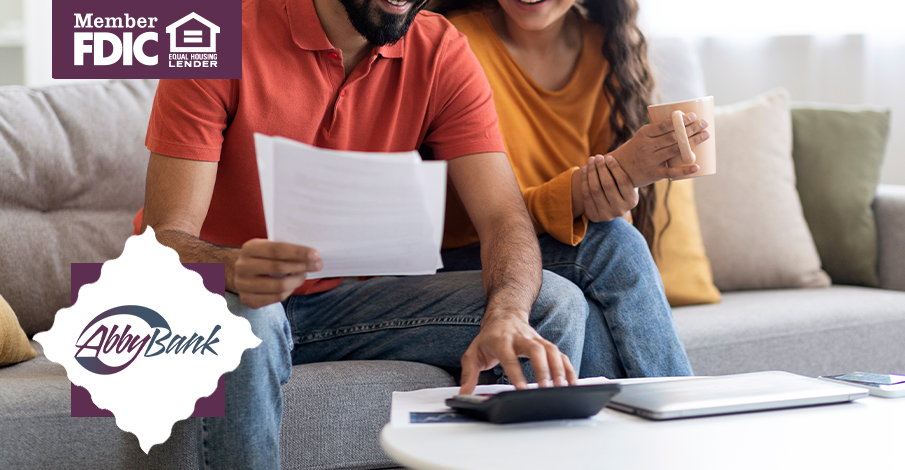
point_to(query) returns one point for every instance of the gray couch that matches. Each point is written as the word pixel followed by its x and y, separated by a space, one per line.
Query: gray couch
pixel 72 164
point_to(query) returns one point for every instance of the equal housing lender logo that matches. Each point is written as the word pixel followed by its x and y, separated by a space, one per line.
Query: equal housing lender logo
pixel 137 39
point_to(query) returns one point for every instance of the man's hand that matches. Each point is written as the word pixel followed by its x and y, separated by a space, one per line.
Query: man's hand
pixel 503 340
pixel 177 197
pixel 601 190
pixel 644 156
pixel 510 257
pixel 266 272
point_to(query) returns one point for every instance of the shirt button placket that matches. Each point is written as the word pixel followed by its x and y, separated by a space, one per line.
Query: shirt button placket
pixel 335 55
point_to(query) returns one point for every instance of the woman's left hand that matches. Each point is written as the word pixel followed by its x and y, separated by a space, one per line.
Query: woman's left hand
pixel 606 190
pixel 644 156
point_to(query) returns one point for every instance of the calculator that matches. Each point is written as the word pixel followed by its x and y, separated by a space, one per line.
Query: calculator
pixel 536 404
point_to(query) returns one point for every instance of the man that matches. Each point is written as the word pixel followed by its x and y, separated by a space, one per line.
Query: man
pixel 369 75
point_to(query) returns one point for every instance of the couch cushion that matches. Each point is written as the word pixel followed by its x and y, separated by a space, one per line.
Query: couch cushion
pixel 333 413
pixel 754 230
pixel 39 433
pixel 678 248
pixel 72 175
pixel 838 150
pixel 806 331
pixel 14 345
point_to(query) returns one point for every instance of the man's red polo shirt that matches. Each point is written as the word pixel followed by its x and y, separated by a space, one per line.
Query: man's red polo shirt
pixel 426 89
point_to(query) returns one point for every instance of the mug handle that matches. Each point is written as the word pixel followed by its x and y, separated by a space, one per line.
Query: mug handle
pixel 678 125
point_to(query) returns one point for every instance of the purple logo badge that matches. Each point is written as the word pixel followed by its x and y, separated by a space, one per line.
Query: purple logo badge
pixel 163 39
pixel 86 273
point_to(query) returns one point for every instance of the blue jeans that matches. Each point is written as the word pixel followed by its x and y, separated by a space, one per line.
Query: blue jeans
pixel 630 330
pixel 428 319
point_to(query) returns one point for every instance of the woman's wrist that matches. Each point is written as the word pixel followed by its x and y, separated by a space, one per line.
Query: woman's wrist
pixel 577 196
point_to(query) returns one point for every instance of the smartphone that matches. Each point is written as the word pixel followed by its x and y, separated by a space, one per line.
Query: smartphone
pixel 536 404
pixel 880 385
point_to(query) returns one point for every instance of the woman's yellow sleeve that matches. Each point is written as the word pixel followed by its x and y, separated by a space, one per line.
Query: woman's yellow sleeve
pixel 550 206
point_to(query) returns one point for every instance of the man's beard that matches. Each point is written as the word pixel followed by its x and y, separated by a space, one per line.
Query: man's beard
pixel 388 29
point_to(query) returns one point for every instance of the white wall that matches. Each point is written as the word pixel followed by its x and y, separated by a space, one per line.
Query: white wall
pixel 821 50
pixel 850 69
pixel 38 40
pixel 38 44
pixel 830 51
pixel 12 69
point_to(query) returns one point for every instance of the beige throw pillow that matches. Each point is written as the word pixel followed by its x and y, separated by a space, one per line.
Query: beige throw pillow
pixel 753 226
pixel 14 345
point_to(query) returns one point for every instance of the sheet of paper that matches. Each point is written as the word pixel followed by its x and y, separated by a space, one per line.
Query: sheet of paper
pixel 367 214
pixel 435 174
pixel 264 154
pixel 430 400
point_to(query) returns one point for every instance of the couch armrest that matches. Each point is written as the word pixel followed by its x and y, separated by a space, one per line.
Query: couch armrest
pixel 889 208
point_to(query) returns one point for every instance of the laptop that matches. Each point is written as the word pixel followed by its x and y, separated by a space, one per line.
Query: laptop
pixel 726 394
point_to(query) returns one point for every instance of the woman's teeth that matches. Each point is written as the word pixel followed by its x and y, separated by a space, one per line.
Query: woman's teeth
pixel 531 3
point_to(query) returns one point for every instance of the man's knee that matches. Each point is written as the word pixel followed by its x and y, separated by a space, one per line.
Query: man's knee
pixel 268 323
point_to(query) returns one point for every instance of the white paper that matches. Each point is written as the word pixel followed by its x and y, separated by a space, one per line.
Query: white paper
pixel 433 400
pixel 367 214
pixel 264 153
pixel 435 174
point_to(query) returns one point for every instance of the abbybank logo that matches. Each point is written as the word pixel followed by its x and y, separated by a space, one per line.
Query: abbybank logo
pixel 163 39
pixel 146 324
pixel 107 342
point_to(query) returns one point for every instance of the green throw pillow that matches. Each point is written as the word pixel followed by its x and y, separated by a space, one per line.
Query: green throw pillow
pixel 838 151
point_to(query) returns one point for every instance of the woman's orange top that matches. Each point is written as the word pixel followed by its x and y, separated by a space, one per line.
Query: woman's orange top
pixel 548 134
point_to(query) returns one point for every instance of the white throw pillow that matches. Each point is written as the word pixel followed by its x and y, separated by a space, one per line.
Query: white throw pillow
pixel 753 226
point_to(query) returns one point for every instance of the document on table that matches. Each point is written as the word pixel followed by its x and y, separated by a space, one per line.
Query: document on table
pixel 367 214
pixel 428 406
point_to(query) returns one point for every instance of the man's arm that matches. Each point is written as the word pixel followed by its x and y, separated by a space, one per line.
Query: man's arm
pixel 511 262
pixel 177 196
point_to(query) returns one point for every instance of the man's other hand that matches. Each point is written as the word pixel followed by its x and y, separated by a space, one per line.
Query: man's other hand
pixel 503 340
pixel 267 272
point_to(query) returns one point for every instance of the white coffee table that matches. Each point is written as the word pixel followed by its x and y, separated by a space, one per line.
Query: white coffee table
pixel 865 433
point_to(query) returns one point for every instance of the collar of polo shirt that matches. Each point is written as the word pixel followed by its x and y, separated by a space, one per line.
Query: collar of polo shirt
pixel 308 34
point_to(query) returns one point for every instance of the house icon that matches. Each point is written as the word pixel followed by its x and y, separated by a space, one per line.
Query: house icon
pixel 191 34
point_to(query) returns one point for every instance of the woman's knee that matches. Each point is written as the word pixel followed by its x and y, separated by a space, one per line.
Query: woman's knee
pixel 619 234
pixel 560 314
pixel 617 250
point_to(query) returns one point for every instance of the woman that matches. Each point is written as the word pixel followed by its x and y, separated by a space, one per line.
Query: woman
pixel 571 84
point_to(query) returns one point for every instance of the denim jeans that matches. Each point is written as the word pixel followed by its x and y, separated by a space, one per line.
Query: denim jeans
pixel 428 319
pixel 630 330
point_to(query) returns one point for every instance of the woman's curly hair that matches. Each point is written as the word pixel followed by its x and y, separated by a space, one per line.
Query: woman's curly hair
pixel 629 83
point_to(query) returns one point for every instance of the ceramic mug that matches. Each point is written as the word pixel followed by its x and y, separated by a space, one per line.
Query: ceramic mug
pixel 704 155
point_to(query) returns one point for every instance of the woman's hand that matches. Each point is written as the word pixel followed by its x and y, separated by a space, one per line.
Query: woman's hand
pixel 602 190
pixel 644 156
